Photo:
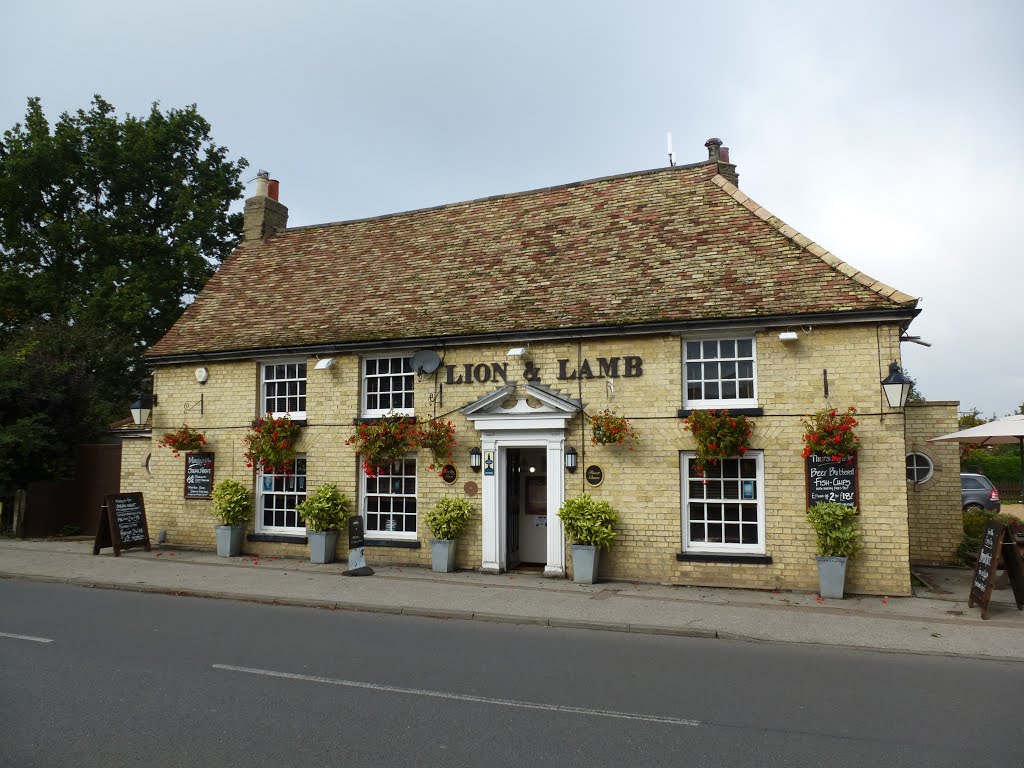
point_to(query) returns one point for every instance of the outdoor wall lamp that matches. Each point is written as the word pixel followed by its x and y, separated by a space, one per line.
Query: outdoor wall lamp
pixel 896 386
pixel 788 336
pixel 516 352
pixel 141 409
pixel 475 459
pixel 323 364
pixel 571 459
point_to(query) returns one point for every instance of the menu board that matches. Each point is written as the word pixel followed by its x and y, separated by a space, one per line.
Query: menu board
pixel 829 480
pixel 997 548
pixel 122 523
pixel 198 475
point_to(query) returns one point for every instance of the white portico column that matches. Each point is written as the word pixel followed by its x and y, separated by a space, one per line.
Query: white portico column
pixel 493 529
pixel 556 496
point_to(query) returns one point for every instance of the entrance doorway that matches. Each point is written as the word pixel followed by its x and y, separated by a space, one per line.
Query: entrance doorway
pixel 526 506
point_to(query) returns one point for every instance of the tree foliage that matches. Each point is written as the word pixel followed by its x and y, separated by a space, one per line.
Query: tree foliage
pixel 107 227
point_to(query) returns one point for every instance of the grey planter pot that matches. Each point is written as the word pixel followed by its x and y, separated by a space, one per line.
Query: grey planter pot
pixel 229 540
pixel 322 545
pixel 831 576
pixel 442 555
pixel 584 563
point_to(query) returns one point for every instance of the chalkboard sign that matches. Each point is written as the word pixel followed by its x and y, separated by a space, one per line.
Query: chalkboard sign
pixel 198 475
pixel 997 544
pixel 122 523
pixel 355 532
pixel 829 480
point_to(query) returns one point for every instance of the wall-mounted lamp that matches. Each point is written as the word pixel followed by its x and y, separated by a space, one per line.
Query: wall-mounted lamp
pixel 787 336
pixel 202 375
pixel 475 459
pixel 321 365
pixel 896 386
pixel 571 459
pixel 141 409
pixel 516 352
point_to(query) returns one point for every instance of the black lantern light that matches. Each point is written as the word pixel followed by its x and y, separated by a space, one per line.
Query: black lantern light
pixel 141 409
pixel 571 459
pixel 896 386
pixel 475 459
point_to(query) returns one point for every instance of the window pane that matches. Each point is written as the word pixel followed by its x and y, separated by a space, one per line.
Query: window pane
pixel 693 350
pixel 745 348
pixel 750 534
pixel 697 532
pixel 711 390
pixel 746 390
pixel 710 349
pixel 729 390
pixel 728 348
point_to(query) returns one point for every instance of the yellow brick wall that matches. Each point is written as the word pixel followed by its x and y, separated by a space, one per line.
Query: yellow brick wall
pixel 643 484
pixel 936 523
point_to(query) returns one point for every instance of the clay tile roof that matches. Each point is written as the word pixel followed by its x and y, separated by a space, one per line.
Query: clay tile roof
pixel 672 245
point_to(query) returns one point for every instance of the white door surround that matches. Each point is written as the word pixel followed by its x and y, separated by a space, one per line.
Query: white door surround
pixel 521 426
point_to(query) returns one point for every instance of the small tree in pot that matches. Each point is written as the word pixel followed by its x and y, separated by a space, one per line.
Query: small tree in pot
pixel 838 533
pixel 589 525
pixel 447 521
pixel 324 512
pixel 232 503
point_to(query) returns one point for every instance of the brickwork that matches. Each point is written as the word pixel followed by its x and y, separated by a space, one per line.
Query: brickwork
pixel 643 484
pixel 936 523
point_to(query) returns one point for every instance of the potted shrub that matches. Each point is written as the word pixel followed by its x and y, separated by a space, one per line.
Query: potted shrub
pixel 183 439
pixel 609 429
pixel 270 444
pixel 233 505
pixel 838 533
pixel 718 436
pixel 588 524
pixel 447 520
pixel 324 513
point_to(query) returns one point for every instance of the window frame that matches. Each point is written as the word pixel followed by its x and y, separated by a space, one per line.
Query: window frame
pixel 719 402
pixel 364 502
pixel 297 415
pixel 723 548
pixel 279 530
pixel 372 413
pixel 931 467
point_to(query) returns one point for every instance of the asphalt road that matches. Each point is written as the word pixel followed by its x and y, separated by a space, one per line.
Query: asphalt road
pixel 104 678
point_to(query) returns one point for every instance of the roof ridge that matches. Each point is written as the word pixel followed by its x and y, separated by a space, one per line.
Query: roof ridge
pixel 805 243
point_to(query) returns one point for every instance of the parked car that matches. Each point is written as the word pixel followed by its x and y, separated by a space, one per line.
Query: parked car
pixel 977 493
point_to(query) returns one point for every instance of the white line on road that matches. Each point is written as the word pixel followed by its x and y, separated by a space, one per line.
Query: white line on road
pixel 463 697
pixel 26 637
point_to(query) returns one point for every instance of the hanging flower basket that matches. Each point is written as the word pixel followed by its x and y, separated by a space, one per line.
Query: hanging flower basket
pixel 183 439
pixel 270 445
pixel 609 429
pixel 438 437
pixel 829 432
pixel 384 442
pixel 719 436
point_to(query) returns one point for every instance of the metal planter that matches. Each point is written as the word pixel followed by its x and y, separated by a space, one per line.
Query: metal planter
pixel 584 563
pixel 442 555
pixel 229 540
pixel 322 545
pixel 831 576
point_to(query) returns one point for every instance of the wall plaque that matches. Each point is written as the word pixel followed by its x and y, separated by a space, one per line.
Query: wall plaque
pixel 594 475
pixel 449 474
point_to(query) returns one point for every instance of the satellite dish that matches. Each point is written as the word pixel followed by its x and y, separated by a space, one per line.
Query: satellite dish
pixel 425 361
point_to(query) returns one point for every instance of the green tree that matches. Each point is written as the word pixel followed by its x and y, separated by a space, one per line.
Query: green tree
pixel 108 226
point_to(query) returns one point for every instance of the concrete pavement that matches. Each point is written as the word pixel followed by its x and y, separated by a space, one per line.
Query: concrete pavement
pixel 936 620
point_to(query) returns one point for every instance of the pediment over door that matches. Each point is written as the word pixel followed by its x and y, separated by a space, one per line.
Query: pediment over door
pixel 531 406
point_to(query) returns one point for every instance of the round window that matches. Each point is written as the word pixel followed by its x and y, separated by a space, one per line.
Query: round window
pixel 919 468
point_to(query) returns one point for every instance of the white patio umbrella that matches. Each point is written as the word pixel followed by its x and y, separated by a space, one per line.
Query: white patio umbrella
pixel 1009 429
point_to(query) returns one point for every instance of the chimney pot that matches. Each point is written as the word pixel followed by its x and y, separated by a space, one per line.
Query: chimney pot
pixel 263 214
pixel 714 147
pixel 273 186
pixel 262 181
pixel 723 154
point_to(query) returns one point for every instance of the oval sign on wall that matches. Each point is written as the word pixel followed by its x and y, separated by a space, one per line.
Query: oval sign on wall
pixel 449 474
pixel 594 475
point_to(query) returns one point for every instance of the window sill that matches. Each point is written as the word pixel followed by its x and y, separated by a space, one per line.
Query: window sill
pixel 685 412
pixel 707 557
pixel 277 538
pixel 401 543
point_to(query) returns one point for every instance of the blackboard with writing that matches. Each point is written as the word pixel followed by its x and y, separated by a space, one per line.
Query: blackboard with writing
pixel 122 523
pixel 829 480
pixel 198 475
pixel 998 548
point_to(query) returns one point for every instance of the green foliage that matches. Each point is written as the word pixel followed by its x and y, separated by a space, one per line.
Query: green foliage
pixel 975 523
pixel 384 441
pixel 1000 464
pixel 914 395
pixel 232 503
pixel 326 509
pixel 718 436
pixel 836 528
pixel 589 521
pixel 107 227
pixel 829 432
pixel 270 444
pixel 449 517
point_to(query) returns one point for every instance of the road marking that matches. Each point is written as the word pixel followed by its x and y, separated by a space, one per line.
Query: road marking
pixel 464 697
pixel 26 637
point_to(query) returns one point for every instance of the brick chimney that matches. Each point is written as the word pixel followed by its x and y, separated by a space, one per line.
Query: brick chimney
pixel 719 154
pixel 263 215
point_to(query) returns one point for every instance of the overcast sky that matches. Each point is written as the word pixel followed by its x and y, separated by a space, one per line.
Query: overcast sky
pixel 889 132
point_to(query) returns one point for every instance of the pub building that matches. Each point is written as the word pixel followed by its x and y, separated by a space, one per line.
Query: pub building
pixel 518 318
